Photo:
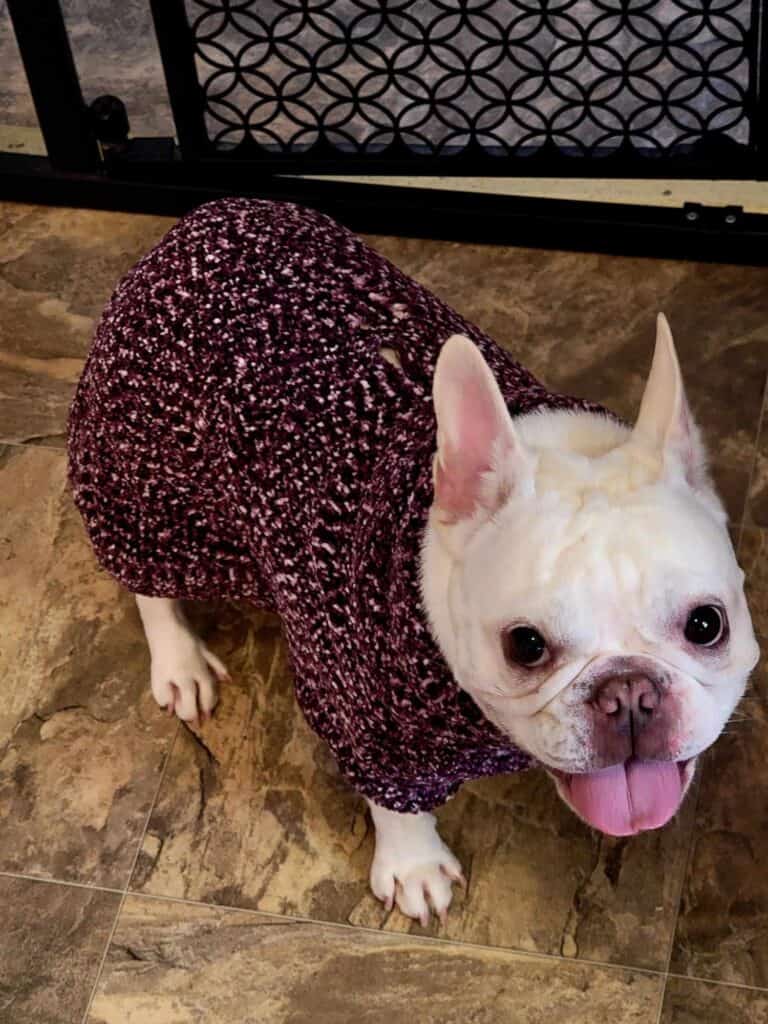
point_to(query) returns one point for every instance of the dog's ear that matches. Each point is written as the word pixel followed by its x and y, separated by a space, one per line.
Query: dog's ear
pixel 665 424
pixel 480 458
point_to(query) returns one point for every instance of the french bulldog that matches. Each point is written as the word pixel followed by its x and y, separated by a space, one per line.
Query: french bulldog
pixel 574 576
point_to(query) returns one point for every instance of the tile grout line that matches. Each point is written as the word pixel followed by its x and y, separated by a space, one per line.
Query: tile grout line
pixel 400 936
pixel 125 892
pixel 695 979
pixel 228 908
pixel 61 881
pixel 397 936
pixel 511 951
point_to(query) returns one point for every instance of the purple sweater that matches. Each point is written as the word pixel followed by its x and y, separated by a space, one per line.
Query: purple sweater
pixel 237 434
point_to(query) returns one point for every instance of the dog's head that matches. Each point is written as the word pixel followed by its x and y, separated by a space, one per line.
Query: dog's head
pixel 582 585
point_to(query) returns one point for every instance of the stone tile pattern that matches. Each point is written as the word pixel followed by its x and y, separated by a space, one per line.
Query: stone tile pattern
pixel 58 267
pixel 51 944
pixel 81 742
pixel 251 812
pixel 688 1002
pixel 168 960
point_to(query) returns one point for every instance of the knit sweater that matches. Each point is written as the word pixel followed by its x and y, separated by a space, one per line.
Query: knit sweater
pixel 236 433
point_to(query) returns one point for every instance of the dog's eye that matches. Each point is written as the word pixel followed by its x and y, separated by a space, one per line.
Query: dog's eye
pixel 525 645
pixel 706 626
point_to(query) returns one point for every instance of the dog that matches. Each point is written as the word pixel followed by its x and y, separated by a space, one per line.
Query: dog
pixel 474 575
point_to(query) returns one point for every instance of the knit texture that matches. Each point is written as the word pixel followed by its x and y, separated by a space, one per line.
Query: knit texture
pixel 237 434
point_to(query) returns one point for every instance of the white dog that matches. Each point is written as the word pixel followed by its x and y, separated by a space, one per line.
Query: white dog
pixel 577 575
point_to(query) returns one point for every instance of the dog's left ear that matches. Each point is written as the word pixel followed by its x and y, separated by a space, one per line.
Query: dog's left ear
pixel 665 424
pixel 480 458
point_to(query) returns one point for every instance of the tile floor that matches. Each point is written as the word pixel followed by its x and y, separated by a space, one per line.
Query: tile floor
pixel 149 873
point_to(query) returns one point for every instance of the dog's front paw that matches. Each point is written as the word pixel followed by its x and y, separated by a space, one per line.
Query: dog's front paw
pixel 417 889
pixel 185 674
pixel 412 866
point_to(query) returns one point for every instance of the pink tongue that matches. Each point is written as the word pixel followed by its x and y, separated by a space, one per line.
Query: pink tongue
pixel 628 798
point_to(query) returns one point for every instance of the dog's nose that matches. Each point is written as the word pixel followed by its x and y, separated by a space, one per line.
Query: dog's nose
pixel 628 703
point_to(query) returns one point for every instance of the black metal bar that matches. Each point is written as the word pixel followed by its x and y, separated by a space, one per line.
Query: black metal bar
pixel 173 187
pixel 759 74
pixel 177 51
pixel 732 163
pixel 53 82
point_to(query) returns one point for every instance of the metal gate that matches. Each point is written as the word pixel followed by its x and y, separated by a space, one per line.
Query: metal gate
pixel 589 87
pixel 264 90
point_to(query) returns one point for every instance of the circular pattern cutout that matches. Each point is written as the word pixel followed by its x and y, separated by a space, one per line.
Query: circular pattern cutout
pixel 506 77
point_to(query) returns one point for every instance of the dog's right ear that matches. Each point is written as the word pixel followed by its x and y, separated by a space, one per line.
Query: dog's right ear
pixel 480 459
pixel 665 425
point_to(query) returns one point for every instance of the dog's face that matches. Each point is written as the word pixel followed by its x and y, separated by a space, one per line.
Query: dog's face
pixel 594 607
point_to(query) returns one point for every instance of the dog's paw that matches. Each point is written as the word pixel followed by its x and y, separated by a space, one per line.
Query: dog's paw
pixel 185 675
pixel 419 890
pixel 413 868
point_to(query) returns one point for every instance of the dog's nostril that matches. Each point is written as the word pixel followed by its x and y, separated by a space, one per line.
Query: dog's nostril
pixel 618 697
pixel 609 705
pixel 612 696
pixel 649 701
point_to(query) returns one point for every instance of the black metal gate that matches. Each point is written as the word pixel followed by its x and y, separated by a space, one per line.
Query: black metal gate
pixel 261 89
pixel 587 87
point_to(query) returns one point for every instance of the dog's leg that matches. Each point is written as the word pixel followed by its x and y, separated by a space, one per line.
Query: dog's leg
pixel 412 866
pixel 184 673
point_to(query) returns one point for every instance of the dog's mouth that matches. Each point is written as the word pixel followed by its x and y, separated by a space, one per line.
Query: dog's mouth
pixel 627 798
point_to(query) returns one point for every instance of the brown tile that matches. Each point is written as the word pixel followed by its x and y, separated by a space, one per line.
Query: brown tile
pixel 12 213
pixel 695 1002
pixel 722 932
pixel 255 815
pixel 753 557
pixel 411 255
pixel 170 961
pixel 57 270
pixel 51 945
pixel 81 743
pixel 541 881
